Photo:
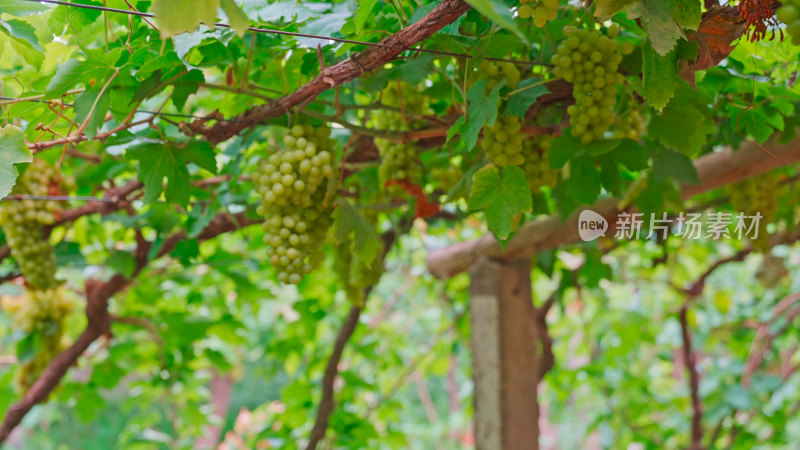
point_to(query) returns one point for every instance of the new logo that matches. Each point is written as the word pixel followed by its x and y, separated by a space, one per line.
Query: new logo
pixel 591 225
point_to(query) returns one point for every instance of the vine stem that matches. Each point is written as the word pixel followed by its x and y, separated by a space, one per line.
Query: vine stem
pixel 36 97
pixel 530 86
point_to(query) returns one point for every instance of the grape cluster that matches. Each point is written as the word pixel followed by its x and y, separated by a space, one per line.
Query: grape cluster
pixel 354 273
pixel 589 60
pixel 757 195
pixel 446 178
pixel 495 72
pixel 537 169
pixel 503 142
pixel 541 10
pixel 293 184
pixel 789 14
pixel 24 223
pixel 630 125
pixel 41 312
pixel 399 160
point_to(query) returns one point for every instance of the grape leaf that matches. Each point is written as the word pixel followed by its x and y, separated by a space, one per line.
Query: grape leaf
pixel 482 111
pixel 83 105
pixel 683 113
pixel 584 183
pixel 501 196
pixel 687 13
pixel 498 12
pixel 753 122
pixel 158 161
pixel 73 72
pixel 659 76
pixel 12 151
pixel 21 7
pixel 178 16
pixel 64 16
pixel 363 12
pixel 236 17
pixel 604 9
pixel 365 239
pixel 521 101
pixel 662 31
pixel 671 164
pixel 567 147
pixel 21 30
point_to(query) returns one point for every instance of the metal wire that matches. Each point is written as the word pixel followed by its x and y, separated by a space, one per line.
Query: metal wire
pixel 58 198
pixel 305 35
pixel 155 113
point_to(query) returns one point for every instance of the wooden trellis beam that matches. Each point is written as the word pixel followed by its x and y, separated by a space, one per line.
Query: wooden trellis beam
pixel 715 170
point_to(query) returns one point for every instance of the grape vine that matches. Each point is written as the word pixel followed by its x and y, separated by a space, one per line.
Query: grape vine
pixel 293 183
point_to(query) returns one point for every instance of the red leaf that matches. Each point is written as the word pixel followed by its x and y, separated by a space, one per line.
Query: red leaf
pixel 424 207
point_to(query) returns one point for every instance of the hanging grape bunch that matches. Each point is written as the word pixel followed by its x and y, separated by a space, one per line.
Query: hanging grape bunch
pixel 24 223
pixel 630 125
pixel 789 14
pixel 495 72
pixel 757 195
pixel 399 160
pixel 293 185
pixel 446 178
pixel 542 11
pixel 589 60
pixel 42 313
pixel 354 272
pixel 537 169
pixel 503 142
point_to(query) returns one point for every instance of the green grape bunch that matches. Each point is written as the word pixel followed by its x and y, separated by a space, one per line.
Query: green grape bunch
pixel 590 61
pixel 503 142
pixel 537 169
pixel 756 195
pixel 355 274
pixel 542 11
pixel 495 72
pixel 630 125
pixel 25 220
pixel 400 160
pixel 44 313
pixel 293 184
pixel 789 14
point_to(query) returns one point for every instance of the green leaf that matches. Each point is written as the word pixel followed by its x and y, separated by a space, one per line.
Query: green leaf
pixel 567 147
pixel 482 110
pixel 73 72
pixel 122 262
pixel 671 164
pixel 186 86
pixel 498 12
pixel 609 175
pixel 662 31
pixel 753 122
pixel 684 125
pixel 237 19
pixel 584 183
pixel 363 12
pixel 521 101
pixel 687 13
pixel 659 76
pixel 31 55
pixel 12 151
pixel 631 154
pixel 83 105
pixel 604 9
pixel 348 220
pixel 21 7
pixel 501 196
pixel 179 16
pixel 66 17
pixel 22 30
pixel 158 161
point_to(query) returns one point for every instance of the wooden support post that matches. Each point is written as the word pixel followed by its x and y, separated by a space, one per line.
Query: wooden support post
pixel 505 357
